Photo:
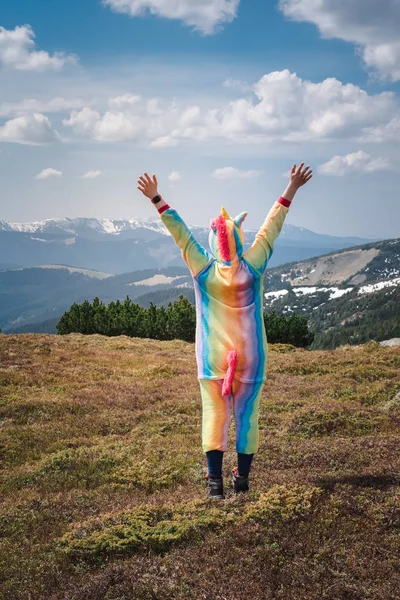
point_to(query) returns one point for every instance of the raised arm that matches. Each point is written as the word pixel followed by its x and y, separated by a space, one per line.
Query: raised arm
pixel 195 256
pixel 262 248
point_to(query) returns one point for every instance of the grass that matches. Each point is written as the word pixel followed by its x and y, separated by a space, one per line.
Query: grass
pixel 102 487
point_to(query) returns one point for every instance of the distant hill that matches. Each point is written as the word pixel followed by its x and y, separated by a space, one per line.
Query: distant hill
pixel 336 291
pixel 31 296
pixel 49 326
pixel 121 246
pixel 4 266
pixel 348 296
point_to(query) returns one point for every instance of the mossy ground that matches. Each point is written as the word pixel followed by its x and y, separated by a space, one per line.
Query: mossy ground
pixel 102 487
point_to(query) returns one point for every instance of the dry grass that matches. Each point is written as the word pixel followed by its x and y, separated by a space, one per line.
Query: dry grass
pixel 102 485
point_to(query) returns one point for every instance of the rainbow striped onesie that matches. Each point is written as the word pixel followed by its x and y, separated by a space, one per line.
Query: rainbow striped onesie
pixel 231 343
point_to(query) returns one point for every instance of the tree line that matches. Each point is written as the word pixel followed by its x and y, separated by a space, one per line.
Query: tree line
pixel 176 321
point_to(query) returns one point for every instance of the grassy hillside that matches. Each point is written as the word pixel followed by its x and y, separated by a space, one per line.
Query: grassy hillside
pixel 366 263
pixel 102 486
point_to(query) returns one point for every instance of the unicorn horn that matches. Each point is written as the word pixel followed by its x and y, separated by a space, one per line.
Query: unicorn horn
pixel 224 213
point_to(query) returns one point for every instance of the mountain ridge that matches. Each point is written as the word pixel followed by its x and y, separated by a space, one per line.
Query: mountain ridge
pixel 114 227
pixel 40 293
pixel 118 247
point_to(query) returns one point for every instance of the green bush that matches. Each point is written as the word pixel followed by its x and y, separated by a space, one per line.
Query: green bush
pixel 177 321
pixel 288 330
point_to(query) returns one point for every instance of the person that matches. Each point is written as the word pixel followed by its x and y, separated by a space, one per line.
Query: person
pixel 231 342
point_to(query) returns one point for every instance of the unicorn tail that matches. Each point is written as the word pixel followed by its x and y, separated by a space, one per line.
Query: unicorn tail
pixel 231 358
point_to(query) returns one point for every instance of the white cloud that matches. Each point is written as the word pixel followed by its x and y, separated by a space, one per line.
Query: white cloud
pixel 43 106
pixel 92 175
pixel 34 130
pixel 283 108
pixel 232 173
pixel 175 176
pixel 289 108
pixel 165 141
pixel 357 162
pixel 83 120
pixel 142 121
pixel 46 173
pixel 125 101
pixel 206 16
pixel 111 127
pixel 385 132
pixel 372 25
pixel 236 84
pixel 17 50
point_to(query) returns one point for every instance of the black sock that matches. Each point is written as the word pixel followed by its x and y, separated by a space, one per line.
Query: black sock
pixel 244 463
pixel 214 460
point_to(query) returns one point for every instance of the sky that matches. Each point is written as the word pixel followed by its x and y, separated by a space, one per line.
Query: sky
pixel 219 98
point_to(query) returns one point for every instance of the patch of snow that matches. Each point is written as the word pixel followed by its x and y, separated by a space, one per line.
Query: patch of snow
pixel 304 290
pixel 39 240
pixel 158 279
pixel 88 272
pixel 275 295
pixel 392 342
pixel 184 285
pixel 108 226
pixel 335 291
pixel 338 293
pixel 374 287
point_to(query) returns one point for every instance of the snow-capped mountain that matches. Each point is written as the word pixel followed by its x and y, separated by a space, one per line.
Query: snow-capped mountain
pixel 85 225
pixel 88 228
pixel 118 246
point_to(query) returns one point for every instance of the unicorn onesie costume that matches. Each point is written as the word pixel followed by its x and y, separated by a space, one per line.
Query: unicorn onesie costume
pixel 231 343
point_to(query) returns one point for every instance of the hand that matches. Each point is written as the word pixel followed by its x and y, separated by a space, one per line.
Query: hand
pixel 300 176
pixel 148 186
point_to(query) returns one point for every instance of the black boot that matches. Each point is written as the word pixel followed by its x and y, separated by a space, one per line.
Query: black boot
pixel 240 483
pixel 215 487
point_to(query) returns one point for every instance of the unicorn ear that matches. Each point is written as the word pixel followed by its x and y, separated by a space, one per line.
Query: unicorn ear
pixel 240 218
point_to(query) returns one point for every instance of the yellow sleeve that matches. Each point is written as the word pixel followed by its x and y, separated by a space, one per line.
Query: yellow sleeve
pixel 262 248
pixel 195 256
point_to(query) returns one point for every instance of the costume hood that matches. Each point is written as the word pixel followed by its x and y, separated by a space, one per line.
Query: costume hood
pixel 226 238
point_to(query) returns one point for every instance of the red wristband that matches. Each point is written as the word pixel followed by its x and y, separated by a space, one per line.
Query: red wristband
pixel 161 210
pixel 284 202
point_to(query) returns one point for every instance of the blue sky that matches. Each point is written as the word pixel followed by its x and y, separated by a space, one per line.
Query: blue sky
pixel 226 93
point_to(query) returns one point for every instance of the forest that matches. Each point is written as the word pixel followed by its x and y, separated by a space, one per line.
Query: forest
pixel 176 321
